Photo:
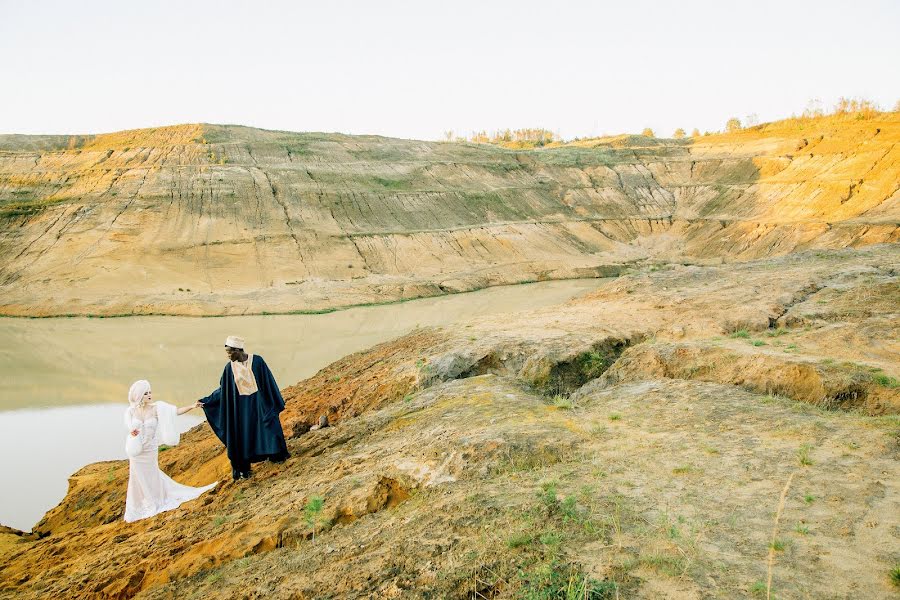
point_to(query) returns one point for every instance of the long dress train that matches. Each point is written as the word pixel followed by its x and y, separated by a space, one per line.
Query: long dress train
pixel 150 491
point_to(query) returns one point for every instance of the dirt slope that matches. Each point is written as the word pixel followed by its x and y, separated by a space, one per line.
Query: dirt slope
pixel 209 219
pixel 637 441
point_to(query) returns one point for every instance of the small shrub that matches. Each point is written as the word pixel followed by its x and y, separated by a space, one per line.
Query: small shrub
pixel 740 333
pixel 809 498
pixel 569 509
pixel 548 496
pixel 560 401
pixel 895 576
pixel 311 513
pixel 757 343
pixel 615 417
pixel 592 363
pixel 759 589
pixel 802 529
pixel 555 580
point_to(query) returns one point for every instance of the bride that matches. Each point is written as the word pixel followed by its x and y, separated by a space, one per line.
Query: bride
pixel 150 491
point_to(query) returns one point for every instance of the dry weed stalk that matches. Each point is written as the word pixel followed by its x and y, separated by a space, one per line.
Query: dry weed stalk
pixel 775 534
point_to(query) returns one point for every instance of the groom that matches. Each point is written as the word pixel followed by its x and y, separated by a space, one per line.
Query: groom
pixel 243 412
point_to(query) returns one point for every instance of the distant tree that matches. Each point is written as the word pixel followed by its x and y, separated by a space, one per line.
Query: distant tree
pixel 695 132
pixel 751 120
pixel 861 107
pixel 503 136
pixel 647 132
pixel 679 133
pixel 733 124
pixel 448 135
pixel 897 106
pixel 813 109
pixel 480 137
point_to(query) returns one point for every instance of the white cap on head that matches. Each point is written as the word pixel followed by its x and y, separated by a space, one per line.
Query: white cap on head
pixel 234 341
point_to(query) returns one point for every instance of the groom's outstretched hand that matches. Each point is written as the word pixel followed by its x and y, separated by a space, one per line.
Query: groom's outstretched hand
pixel 198 404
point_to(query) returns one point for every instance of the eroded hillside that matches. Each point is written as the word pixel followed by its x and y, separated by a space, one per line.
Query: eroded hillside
pixel 683 432
pixel 208 219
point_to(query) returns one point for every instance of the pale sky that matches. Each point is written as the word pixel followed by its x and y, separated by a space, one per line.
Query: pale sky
pixel 415 69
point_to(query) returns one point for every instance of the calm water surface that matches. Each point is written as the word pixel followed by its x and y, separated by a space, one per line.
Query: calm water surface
pixel 64 382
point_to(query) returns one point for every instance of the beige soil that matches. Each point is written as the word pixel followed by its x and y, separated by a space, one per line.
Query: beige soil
pixel 632 439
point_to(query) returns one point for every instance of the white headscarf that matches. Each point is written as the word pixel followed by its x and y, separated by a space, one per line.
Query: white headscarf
pixel 136 393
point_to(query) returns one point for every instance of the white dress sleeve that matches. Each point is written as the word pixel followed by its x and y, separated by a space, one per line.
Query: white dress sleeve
pixel 168 433
pixel 133 444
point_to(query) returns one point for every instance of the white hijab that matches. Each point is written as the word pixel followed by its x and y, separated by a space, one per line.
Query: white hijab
pixel 165 412
pixel 136 393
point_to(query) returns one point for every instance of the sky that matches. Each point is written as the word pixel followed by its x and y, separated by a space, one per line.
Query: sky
pixel 417 69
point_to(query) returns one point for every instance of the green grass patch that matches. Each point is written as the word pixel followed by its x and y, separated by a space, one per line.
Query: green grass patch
pixel 740 334
pixel 560 401
pixel 886 381
pixel 803 455
pixel 390 184
pixel 519 540
pixel 778 545
pixel 558 580
pixel 26 208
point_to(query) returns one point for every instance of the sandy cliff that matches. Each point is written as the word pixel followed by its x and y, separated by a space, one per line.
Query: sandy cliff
pixel 209 219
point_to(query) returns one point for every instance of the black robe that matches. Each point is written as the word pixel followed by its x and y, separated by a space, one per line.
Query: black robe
pixel 248 425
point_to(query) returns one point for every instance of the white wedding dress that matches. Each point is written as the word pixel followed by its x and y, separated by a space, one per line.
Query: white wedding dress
pixel 150 491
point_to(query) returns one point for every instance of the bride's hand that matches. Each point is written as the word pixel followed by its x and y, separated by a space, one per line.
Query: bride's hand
pixel 134 432
pixel 198 404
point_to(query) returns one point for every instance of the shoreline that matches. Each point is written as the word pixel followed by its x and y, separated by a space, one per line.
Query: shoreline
pixel 310 311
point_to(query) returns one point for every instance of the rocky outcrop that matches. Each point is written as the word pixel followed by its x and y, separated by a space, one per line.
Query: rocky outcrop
pixel 625 442
pixel 209 220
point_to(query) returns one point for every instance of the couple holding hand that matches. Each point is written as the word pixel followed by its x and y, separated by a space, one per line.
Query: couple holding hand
pixel 243 413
